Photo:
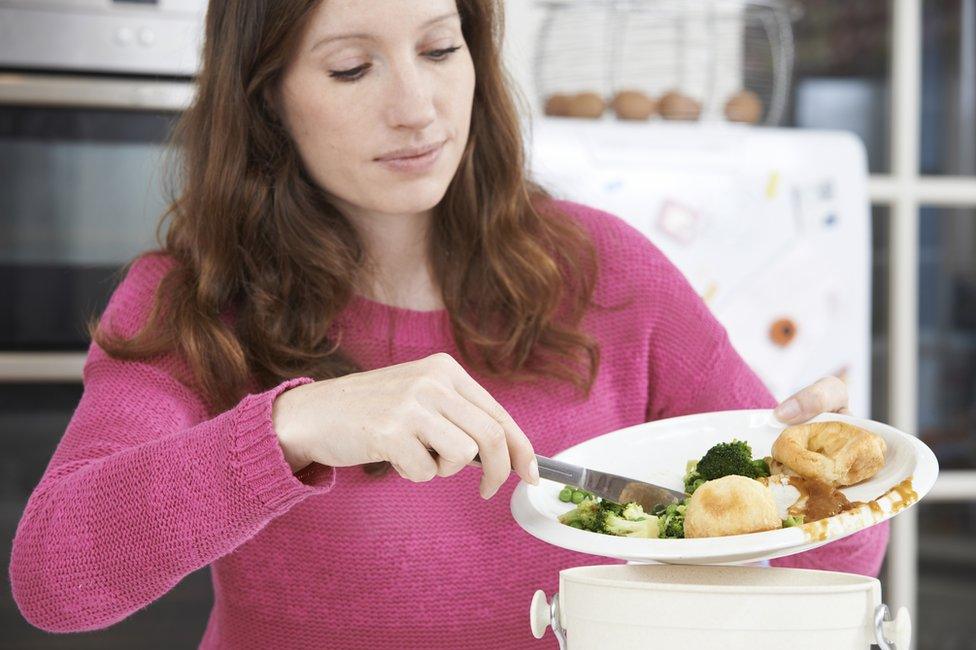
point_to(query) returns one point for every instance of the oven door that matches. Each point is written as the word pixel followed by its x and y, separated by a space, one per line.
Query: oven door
pixel 81 192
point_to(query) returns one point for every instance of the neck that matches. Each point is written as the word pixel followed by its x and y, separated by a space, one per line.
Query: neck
pixel 398 270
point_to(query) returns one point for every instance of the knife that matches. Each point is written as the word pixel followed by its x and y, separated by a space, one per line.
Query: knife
pixel 612 487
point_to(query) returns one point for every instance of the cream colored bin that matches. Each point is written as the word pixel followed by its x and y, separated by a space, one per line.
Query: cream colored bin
pixel 670 606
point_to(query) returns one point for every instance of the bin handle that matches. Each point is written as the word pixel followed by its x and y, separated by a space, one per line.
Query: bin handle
pixel 543 615
pixel 892 634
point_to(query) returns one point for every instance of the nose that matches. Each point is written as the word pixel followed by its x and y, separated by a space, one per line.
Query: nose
pixel 411 97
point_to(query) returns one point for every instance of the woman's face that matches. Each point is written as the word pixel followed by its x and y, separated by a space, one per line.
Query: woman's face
pixel 370 78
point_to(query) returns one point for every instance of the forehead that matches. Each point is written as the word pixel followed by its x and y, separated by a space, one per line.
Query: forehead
pixel 378 17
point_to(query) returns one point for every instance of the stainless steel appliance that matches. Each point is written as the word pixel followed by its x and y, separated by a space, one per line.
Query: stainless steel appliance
pixel 119 36
pixel 89 90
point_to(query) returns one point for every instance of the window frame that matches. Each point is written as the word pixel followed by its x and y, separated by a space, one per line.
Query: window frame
pixel 904 190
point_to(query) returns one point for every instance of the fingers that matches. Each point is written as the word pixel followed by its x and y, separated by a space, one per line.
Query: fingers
pixel 490 437
pixel 453 447
pixel 459 399
pixel 413 461
pixel 827 395
pixel 519 447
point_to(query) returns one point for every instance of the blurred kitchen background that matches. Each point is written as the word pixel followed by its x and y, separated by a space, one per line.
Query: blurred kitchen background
pixel 810 165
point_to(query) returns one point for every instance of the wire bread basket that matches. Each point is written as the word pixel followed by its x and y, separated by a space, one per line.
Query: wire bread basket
pixel 665 59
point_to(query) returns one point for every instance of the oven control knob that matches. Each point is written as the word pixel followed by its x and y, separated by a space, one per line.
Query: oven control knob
pixel 147 36
pixel 124 36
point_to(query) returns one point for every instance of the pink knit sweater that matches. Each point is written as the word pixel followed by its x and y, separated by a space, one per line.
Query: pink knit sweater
pixel 144 488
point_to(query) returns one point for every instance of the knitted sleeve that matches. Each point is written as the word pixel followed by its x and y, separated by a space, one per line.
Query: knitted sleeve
pixel 694 369
pixel 144 488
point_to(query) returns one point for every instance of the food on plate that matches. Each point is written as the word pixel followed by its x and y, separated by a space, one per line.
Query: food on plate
pixel 744 106
pixel 836 453
pixel 602 516
pixel 724 459
pixel 731 505
pixel 732 493
pixel 633 105
pixel 671 519
pixel 570 494
pixel 632 521
pixel 801 500
pixel 678 106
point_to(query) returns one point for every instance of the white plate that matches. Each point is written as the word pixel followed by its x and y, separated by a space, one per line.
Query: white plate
pixel 658 452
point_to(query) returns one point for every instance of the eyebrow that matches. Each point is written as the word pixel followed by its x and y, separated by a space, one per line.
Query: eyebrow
pixel 329 39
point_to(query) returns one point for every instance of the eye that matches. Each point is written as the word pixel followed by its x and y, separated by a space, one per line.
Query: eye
pixel 350 75
pixel 440 55
pixel 357 73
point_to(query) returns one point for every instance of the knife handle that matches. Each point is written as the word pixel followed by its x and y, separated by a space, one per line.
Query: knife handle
pixel 557 470
pixel 549 468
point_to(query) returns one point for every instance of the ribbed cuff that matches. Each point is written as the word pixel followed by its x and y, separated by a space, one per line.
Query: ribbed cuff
pixel 260 460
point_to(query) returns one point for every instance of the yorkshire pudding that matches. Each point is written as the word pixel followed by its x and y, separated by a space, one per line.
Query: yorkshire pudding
pixel 836 453
pixel 731 505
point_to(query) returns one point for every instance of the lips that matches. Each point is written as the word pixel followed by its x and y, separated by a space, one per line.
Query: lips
pixel 410 152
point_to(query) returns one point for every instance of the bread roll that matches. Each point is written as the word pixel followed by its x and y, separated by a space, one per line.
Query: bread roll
pixel 731 505
pixel 834 452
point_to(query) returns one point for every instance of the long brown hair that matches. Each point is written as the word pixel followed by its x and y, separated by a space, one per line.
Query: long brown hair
pixel 252 234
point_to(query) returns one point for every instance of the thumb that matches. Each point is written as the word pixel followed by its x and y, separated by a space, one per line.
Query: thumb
pixel 827 395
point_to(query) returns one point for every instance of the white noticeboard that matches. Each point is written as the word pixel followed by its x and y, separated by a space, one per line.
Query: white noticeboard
pixel 771 226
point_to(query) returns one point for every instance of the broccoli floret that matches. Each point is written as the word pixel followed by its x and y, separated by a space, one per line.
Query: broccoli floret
pixel 633 512
pixel 671 520
pixel 793 520
pixel 693 481
pixel 621 519
pixel 586 515
pixel 614 524
pixel 692 478
pixel 728 458
pixel 762 467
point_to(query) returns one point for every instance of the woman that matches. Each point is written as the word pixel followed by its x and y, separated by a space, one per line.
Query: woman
pixel 327 302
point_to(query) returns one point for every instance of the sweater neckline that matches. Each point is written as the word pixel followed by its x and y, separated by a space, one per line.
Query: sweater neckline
pixel 364 316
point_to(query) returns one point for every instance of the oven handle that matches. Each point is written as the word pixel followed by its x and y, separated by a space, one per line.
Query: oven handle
pixel 63 91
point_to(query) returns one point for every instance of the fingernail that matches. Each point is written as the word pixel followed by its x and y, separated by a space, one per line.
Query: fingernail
pixel 787 410
pixel 534 472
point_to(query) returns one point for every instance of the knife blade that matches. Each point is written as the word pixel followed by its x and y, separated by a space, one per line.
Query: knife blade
pixel 612 487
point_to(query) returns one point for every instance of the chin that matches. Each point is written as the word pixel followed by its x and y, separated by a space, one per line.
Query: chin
pixel 410 198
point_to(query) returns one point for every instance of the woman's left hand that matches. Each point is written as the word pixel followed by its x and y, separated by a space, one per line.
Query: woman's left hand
pixel 827 395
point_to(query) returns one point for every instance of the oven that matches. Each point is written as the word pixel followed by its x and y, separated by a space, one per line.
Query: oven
pixel 81 171
pixel 89 93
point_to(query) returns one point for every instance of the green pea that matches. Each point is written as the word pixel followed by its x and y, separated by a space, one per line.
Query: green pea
pixel 578 496
pixel 565 495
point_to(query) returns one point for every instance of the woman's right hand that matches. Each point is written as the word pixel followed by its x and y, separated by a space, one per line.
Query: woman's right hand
pixel 398 414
